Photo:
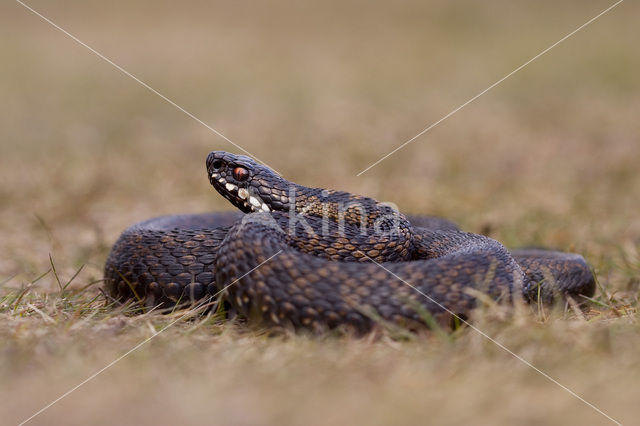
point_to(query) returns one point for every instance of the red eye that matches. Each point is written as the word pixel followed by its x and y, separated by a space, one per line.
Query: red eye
pixel 240 173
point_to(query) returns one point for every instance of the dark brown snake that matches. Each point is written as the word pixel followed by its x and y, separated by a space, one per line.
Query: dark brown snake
pixel 317 259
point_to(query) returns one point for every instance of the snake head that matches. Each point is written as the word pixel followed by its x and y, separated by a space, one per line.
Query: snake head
pixel 249 185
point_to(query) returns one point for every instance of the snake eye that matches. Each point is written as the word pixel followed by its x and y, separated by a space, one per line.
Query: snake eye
pixel 217 164
pixel 240 173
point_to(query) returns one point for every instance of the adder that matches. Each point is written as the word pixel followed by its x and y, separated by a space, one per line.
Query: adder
pixel 318 259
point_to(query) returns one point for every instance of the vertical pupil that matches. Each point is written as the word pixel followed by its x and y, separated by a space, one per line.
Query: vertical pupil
pixel 240 173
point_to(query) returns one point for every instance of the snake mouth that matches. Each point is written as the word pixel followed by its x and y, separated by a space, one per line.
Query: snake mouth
pixel 249 186
pixel 243 198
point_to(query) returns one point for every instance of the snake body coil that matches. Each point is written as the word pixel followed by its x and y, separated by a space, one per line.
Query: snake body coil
pixel 318 259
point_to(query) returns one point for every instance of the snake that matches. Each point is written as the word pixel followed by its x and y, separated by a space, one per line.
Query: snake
pixel 310 258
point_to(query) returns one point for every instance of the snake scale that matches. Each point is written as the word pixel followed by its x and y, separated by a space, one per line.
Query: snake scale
pixel 318 259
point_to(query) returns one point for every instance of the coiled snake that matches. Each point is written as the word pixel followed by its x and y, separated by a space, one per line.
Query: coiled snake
pixel 318 259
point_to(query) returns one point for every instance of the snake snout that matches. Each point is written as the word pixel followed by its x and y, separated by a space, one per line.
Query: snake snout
pixel 215 161
pixel 210 158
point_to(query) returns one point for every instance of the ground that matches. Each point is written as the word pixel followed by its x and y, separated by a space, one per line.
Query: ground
pixel 547 158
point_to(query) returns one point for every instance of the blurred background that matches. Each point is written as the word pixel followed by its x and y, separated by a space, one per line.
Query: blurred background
pixel 319 92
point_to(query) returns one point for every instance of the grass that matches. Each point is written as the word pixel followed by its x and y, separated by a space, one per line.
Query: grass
pixel 547 158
